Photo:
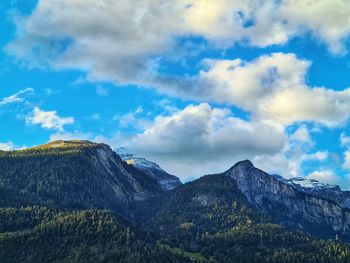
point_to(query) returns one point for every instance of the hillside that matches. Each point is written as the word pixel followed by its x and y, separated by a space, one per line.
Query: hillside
pixel 45 235
pixel 78 201
pixel 71 174
pixel 213 217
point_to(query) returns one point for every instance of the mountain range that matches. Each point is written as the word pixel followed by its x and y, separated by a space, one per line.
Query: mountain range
pixel 79 201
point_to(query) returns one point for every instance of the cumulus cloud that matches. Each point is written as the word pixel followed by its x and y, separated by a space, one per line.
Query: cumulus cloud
pixel 48 119
pixel 296 152
pixel 272 87
pixel 133 36
pixel 119 40
pixel 279 164
pixel 201 139
pixel 15 98
pixel 328 21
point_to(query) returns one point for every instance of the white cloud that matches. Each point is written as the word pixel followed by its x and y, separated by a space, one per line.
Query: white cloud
pixel 328 21
pixel 319 156
pixel 302 134
pixel 121 41
pixel 346 164
pixel 15 98
pixel 132 119
pixel 296 152
pixel 76 135
pixel 7 146
pixel 325 176
pixel 278 164
pixel 329 177
pixel 271 87
pixel 118 40
pixel 166 105
pixel 344 140
pixel 48 119
pixel 201 139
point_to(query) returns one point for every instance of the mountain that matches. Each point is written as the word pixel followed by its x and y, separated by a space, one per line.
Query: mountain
pixel 79 201
pixel 72 174
pixel 310 208
pixel 212 217
pixel 167 181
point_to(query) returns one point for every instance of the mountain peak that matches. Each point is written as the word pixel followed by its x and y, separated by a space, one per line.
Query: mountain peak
pixel 244 164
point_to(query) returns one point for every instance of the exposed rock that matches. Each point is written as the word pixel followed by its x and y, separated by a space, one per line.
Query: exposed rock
pixel 290 204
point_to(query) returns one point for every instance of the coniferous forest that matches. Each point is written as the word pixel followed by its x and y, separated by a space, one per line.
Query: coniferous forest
pixel 57 206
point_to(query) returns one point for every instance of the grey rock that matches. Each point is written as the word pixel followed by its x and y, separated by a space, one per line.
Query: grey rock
pixel 319 213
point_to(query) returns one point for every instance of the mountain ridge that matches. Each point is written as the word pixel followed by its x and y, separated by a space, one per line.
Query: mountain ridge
pixel 289 205
pixel 241 215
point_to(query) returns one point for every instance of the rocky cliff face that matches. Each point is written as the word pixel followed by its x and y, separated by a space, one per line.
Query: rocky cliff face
pixel 291 205
pixel 126 181
pixel 316 188
pixel 166 181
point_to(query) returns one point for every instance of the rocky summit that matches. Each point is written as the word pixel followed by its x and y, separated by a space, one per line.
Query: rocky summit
pixel 312 209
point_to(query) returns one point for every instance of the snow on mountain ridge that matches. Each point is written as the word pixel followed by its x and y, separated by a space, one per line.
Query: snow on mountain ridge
pixel 306 183
pixel 166 181
pixel 136 161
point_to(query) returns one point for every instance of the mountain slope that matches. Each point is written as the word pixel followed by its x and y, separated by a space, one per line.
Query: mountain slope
pixel 84 236
pixel 213 217
pixel 241 215
pixel 289 204
pixel 71 174
pixel 166 181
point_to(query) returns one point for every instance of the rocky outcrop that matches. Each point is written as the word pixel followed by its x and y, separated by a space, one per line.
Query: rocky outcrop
pixel 290 205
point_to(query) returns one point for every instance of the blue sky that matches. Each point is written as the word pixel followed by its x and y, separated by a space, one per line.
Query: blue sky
pixel 192 85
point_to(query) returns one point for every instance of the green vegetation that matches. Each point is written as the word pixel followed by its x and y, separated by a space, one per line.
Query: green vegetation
pixel 69 175
pixel 61 203
pixel 82 236
pixel 53 148
pixel 210 216
pixel 196 257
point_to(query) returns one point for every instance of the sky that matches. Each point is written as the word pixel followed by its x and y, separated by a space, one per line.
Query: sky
pixel 194 85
